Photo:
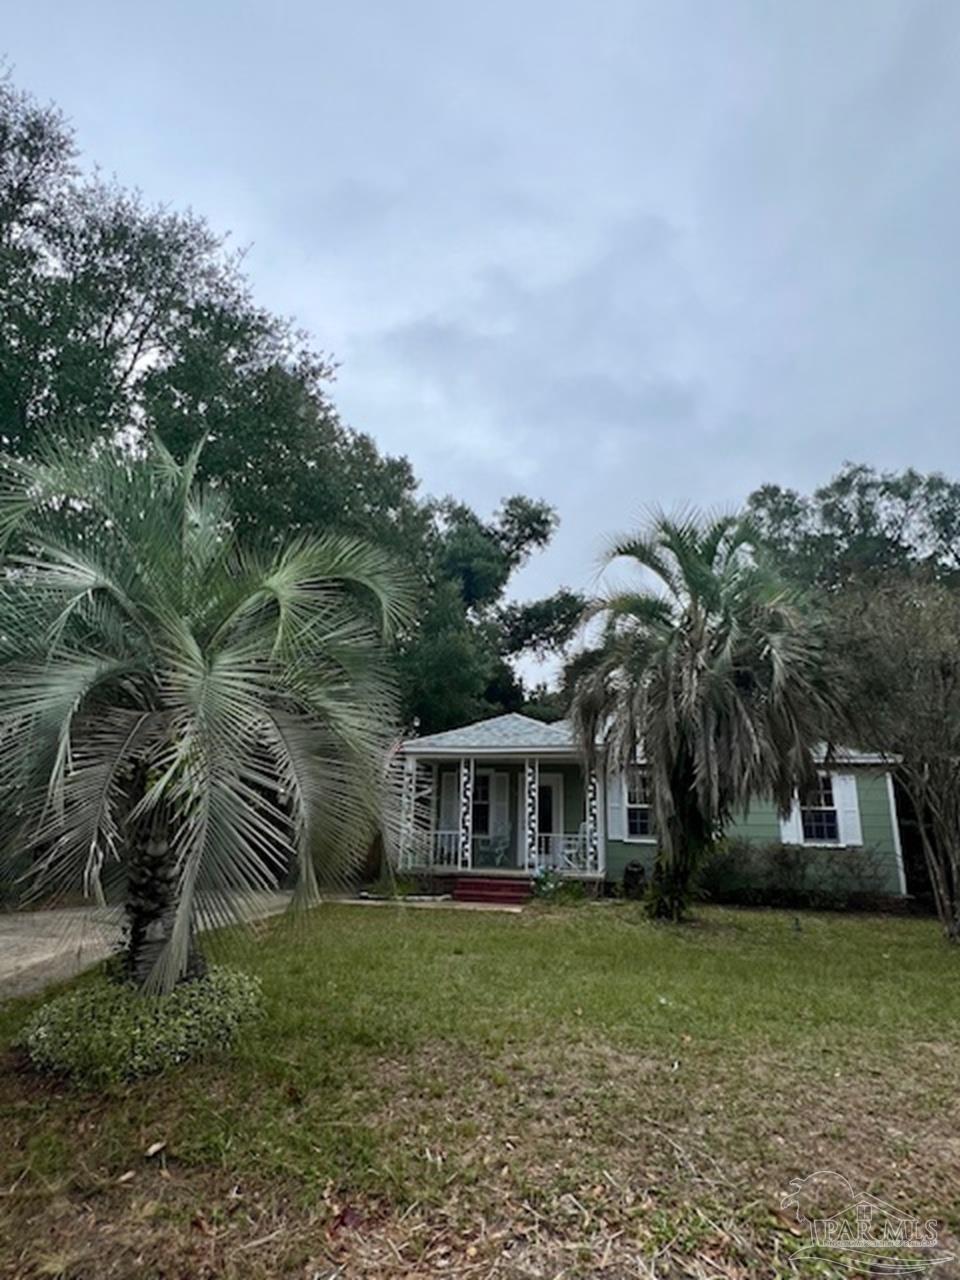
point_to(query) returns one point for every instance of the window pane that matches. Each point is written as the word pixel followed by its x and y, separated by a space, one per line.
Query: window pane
pixel 638 786
pixel 820 795
pixel 638 821
pixel 820 824
pixel 818 813
pixel 481 804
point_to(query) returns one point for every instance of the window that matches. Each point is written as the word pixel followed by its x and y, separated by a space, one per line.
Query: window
pixel 481 804
pixel 639 803
pixel 818 812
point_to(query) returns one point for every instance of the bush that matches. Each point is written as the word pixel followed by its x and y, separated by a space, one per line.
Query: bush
pixel 780 875
pixel 553 887
pixel 108 1031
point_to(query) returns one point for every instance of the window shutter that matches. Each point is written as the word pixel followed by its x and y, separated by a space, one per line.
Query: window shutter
pixel 791 827
pixel 616 799
pixel 449 818
pixel 500 814
pixel 848 808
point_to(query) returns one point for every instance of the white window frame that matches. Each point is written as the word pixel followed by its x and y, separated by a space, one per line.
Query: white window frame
pixel 625 786
pixel 846 803
pixel 826 841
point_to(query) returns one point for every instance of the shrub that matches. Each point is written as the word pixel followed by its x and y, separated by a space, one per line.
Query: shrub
pixel 108 1032
pixel 780 875
pixel 553 887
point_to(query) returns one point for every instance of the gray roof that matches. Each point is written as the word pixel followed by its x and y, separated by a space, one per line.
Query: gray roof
pixel 510 733
pixel 520 735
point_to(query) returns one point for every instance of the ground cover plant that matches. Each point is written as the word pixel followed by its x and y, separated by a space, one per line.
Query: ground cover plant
pixel 566 1092
pixel 105 1031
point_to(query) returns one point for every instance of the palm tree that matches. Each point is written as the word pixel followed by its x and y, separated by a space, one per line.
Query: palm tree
pixel 715 679
pixel 182 720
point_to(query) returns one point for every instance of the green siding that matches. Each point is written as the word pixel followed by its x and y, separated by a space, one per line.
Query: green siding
pixel 877 821
pixel 620 852
pixel 761 825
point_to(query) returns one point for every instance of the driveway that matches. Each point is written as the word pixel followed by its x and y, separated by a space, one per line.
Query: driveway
pixel 39 948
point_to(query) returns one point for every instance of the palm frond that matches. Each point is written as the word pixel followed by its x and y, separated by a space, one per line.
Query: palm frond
pixel 158 681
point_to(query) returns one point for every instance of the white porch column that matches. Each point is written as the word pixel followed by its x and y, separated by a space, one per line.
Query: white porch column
pixel 593 821
pixel 466 812
pixel 531 792
pixel 408 795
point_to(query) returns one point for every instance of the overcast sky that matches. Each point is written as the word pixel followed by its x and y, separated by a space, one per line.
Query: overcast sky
pixel 608 254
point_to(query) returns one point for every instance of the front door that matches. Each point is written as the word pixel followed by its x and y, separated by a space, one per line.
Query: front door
pixel 546 808
pixel 491 819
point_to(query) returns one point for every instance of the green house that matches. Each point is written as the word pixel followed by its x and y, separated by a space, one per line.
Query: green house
pixel 510 796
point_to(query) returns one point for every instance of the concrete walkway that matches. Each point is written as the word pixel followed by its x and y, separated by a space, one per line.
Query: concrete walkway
pixel 430 904
pixel 39 948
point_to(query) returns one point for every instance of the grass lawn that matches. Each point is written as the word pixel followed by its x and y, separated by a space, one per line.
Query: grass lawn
pixel 567 1092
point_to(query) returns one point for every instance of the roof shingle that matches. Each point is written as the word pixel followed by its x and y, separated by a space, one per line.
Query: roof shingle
pixel 511 732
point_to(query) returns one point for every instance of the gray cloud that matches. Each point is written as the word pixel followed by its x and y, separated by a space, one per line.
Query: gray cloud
pixel 613 253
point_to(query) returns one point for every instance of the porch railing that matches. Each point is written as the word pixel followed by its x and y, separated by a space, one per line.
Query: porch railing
pixel 446 849
pixel 565 852
pixel 486 851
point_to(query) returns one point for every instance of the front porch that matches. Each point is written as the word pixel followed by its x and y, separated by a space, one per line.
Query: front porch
pixel 500 808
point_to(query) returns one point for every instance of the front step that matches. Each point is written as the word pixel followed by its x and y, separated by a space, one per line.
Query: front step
pixel 504 890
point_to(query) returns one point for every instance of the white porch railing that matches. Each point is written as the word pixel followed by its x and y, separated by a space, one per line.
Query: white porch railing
pixel 486 851
pixel 445 849
pixel 565 853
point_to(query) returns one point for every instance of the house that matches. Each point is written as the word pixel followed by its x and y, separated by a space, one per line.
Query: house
pixel 509 798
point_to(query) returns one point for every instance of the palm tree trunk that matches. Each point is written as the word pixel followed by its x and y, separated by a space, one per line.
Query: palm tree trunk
pixel 682 848
pixel 151 901
pixel 672 881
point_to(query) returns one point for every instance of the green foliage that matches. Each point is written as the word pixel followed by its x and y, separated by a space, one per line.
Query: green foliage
pixel 105 1032
pixel 447 670
pixel 542 626
pixel 899 648
pixel 862 527
pixel 183 719
pixel 718 679
pixel 452 662
pixel 115 312
pixel 552 887
pixel 778 875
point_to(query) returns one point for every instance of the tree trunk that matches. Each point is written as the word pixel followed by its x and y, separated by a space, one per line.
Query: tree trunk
pixel 681 849
pixel 937 824
pixel 151 902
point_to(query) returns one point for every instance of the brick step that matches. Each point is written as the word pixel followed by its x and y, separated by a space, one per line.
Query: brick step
pixel 501 900
pixel 504 890
pixel 473 891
